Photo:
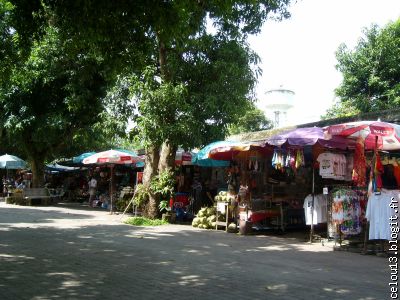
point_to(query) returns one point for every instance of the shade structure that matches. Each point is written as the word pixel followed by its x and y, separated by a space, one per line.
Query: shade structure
pixel 113 157
pixel 183 158
pixel 203 159
pixel 229 152
pixel 79 159
pixel 308 136
pixel 56 168
pixel 376 134
pixel 8 161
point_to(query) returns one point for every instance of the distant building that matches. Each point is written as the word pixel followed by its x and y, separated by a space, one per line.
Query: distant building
pixel 276 105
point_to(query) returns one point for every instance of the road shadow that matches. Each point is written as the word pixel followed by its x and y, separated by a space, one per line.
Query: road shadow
pixel 25 214
pixel 129 262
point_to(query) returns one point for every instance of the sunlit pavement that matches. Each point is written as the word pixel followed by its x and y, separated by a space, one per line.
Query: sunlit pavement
pixel 82 253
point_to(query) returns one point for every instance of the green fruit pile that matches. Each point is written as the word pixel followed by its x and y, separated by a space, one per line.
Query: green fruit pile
pixel 206 218
pixel 223 197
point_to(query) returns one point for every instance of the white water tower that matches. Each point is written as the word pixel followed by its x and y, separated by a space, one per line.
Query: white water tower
pixel 277 103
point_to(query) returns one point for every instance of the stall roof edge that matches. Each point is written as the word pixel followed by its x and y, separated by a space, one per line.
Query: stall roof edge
pixel 390 116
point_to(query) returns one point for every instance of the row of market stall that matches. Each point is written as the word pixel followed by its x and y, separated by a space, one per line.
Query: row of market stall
pixel 334 178
pixel 339 178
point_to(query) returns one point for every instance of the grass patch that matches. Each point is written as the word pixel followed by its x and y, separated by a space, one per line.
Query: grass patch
pixel 141 221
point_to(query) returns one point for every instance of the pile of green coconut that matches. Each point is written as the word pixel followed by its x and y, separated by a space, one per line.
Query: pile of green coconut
pixel 206 218
pixel 223 197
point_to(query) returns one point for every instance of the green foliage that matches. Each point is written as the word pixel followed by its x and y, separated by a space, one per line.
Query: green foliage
pixel 164 206
pixel 141 221
pixel 340 109
pixel 50 96
pixel 193 85
pixel 161 108
pixel 252 119
pixel 141 195
pixel 205 79
pixel 163 184
pixel 370 72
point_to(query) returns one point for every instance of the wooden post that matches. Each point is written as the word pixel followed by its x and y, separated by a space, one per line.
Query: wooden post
pixel 312 205
pixel 111 188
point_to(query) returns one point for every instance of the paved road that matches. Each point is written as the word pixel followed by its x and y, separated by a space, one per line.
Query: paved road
pixel 81 253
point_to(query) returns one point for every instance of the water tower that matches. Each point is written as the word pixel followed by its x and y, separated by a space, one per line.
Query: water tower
pixel 277 103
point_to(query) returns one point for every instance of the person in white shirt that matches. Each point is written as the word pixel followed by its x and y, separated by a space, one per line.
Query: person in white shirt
pixel 92 190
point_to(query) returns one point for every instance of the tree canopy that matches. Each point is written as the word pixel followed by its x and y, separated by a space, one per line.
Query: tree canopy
pixel 50 93
pixel 370 72
pixel 252 119
pixel 188 84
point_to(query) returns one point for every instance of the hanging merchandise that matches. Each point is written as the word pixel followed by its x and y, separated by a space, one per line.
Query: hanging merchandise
pixel 332 165
pixel 318 214
pixel 299 162
pixel 381 208
pixel 376 171
pixel 352 211
pixel 346 211
pixel 278 159
pixel 359 170
pixel 256 165
pixel 349 167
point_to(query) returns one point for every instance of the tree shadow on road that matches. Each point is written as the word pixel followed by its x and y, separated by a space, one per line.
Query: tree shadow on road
pixel 127 262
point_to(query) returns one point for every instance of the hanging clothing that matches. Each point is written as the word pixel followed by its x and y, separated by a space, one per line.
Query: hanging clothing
pixel 299 162
pixel 379 212
pixel 319 214
pixel 352 212
pixel 278 159
pixel 378 170
pixel 360 165
pixel 349 167
pixel 332 165
pixel 346 211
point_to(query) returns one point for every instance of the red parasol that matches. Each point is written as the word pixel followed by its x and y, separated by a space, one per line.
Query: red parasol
pixel 112 157
pixel 375 134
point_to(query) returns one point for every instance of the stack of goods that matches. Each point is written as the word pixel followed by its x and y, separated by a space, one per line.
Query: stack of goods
pixel 223 197
pixel 206 218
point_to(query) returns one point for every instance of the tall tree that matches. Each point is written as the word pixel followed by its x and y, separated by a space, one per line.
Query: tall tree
pixel 370 72
pixel 168 36
pixel 47 97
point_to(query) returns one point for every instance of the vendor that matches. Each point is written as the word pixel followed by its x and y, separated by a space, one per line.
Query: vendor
pixel 92 190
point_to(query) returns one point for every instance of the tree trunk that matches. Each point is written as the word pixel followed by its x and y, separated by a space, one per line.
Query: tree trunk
pixel 150 170
pixel 167 157
pixel 37 166
pixel 162 60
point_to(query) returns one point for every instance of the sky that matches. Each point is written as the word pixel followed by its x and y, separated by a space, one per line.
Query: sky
pixel 299 53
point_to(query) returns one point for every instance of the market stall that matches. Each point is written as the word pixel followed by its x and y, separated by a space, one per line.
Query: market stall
pixel 376 166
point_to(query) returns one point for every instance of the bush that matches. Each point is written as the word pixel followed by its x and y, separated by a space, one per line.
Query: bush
pixel 141 195
pixel 141 221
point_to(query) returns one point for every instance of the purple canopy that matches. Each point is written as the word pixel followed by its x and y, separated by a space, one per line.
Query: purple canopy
pixel 308 136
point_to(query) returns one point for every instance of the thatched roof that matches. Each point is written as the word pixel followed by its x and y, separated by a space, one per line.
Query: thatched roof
pixel 257 135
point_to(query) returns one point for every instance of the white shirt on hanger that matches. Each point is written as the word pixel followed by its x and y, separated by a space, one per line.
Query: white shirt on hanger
pixel 379 212
pixel 320 209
